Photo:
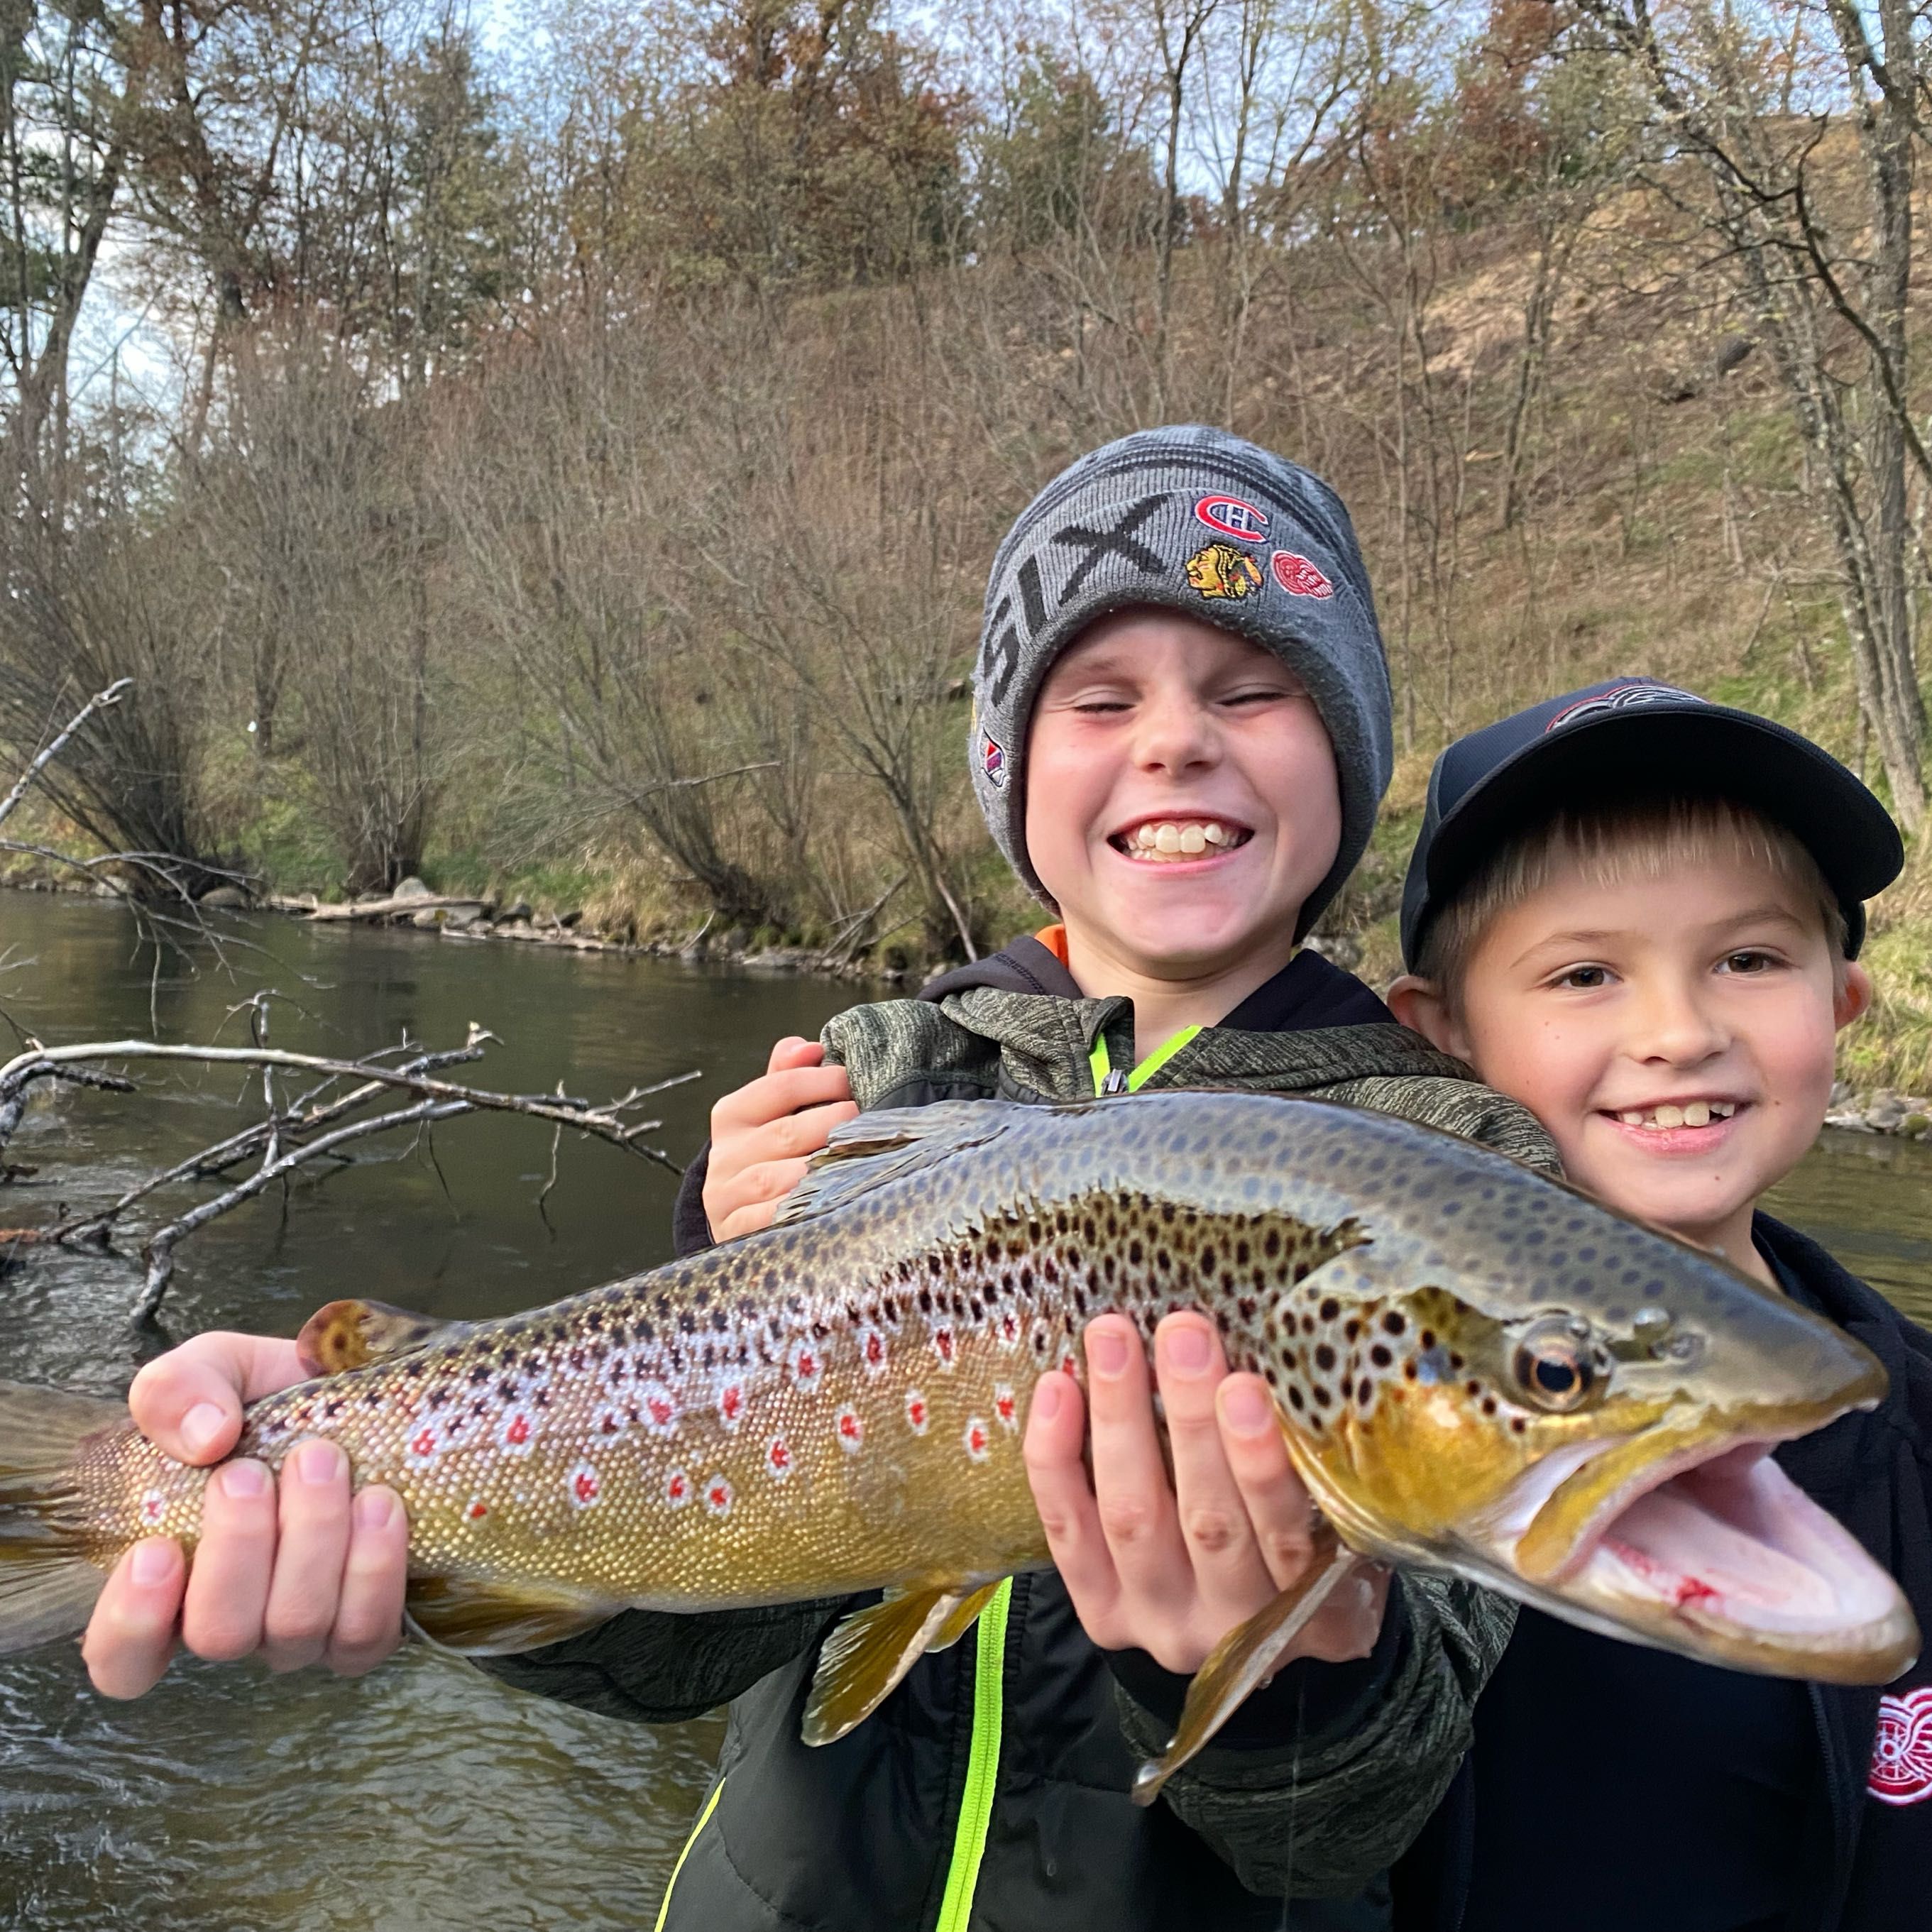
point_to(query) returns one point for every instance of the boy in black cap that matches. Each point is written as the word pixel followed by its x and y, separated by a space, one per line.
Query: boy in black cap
pixel 1181 734
pixel 1639 913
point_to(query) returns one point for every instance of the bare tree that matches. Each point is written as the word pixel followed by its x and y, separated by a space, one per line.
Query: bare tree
pixel 1823 254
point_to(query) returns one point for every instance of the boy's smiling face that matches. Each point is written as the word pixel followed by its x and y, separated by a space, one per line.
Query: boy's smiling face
pixel 1675 1035
pixel 1182 799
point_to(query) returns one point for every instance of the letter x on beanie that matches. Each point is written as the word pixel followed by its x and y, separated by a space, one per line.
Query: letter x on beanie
pixel 1193 520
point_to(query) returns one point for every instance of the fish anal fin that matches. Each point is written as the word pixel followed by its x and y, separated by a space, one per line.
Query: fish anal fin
pixel 352 1334
pixel 861 1663
pixel 478 1618
pixel 1243 1658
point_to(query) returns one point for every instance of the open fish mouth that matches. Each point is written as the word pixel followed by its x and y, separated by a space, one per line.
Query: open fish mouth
pixel 1715 1551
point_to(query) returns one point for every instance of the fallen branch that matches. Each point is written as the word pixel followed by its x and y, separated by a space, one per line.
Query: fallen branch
pixel 100 701
pixel 380 908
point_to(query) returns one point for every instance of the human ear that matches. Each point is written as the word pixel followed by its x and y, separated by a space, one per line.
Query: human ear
pixel 1853 998
pixel 1420 1006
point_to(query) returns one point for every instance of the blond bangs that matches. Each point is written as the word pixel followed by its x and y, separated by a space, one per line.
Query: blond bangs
pixel 1633 842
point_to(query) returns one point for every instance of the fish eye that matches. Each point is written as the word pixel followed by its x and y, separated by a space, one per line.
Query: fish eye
pixel 1555 1367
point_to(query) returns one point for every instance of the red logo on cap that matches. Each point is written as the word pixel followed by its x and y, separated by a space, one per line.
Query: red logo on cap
pixel 1233 517
pixel 1298 576
pixel 1901 1763
pixel 1623 697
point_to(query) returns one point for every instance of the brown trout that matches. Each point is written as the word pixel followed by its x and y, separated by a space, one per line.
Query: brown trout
pixel 1478 1370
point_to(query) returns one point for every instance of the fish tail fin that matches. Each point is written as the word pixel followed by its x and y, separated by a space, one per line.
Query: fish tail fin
pixel 47 1584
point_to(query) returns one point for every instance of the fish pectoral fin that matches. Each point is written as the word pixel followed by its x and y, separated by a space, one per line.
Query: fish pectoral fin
pixel 1243 1657
pixel 352 1334
pixel 477 1619
pixel 862 1661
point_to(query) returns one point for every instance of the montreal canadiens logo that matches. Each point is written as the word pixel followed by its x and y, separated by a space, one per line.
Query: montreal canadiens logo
pixel 1901 1765
pixel 1233 517
pixel 1298 576
pixel 993 759
pixel 1625 698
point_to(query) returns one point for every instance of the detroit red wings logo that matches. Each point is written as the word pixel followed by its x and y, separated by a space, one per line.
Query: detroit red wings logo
pixel 1901 1765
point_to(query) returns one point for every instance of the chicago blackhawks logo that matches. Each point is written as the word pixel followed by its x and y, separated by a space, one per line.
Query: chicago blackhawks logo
pixel 1222 570
pixel 1901 1765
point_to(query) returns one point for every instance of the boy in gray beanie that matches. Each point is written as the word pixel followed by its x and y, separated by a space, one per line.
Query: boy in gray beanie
pixel 1181 735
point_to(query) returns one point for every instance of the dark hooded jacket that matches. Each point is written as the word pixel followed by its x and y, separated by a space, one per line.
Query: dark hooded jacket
pixel 991 1789
pixel 1845 1773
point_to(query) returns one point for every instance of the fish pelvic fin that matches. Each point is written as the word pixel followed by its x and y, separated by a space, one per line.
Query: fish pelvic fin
pixel 874 1148
pixel 1243 1658
pixel 352 1334
pixel 863 1660
pixel 478 1618
pixel 48 1585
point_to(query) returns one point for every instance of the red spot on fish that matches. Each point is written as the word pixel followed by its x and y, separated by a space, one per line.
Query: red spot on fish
pixel 917 1414
pixel 677 1489
pixel 585 1486
pixel 718 1496
pixel 945 1345
pixel 872 1351
pixel 478 1510
pixel 731 1405
pixel 1005 1407
pixel 808 1366
pixel 851 1430
pixel 777 1458
pixel 424 1444
pixel 1009 1330
pixel 154 1506
pixel 610 1422
pixel 1069 1362
pixel 516 1433
pixel 659 1408
pixel 977 1442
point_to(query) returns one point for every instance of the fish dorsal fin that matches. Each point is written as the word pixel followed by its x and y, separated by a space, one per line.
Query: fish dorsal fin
pixel 477 1619
pixel 874 1148
pixel 863 1660
pixel 352 1334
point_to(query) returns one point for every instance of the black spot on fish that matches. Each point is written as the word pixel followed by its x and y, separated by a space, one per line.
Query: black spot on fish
pixel 1330 1309
pixel 479 1376
pixel 1488 1405
pixel 1294 1396
pixel 1352 1328
pixel 687 1322
pixel 1324 1357
pixel 1322 1397
pixel 1380 1355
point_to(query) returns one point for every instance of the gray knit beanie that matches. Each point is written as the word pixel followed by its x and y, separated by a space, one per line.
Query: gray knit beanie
pixel 1190 519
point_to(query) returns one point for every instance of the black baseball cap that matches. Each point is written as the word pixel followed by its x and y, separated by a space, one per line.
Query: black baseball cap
pixel 1633 734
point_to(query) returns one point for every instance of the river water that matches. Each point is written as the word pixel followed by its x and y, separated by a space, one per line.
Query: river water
pixel 426 1799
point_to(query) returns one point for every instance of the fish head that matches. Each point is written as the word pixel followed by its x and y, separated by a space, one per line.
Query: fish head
pixel 1604 1456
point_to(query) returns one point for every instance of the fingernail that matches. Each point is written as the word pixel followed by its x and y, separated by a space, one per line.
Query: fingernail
pixel 1186 1346
pixel 1107 1351
pixel 154 1562
pixel 1247 1410
pixel 243 1481
pixel 318 1462
pixel 201 1427
pixel 1046 1399
pixel 374 1509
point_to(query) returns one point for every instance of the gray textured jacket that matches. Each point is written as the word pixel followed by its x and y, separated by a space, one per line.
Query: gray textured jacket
pixel 1316 1787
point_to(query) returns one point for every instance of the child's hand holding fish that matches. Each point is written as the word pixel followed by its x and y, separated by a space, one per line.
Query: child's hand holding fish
pixel 303 1577
pixel 1170 1567
pixel 762 1134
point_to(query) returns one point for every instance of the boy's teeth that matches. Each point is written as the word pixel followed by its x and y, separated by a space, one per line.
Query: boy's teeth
pixel 1692 1114
pixel 1178 837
